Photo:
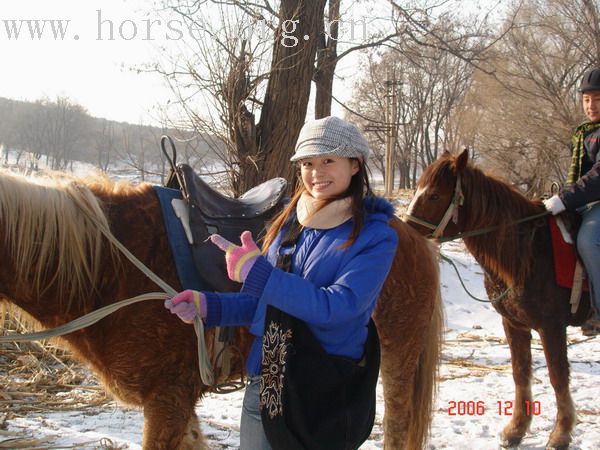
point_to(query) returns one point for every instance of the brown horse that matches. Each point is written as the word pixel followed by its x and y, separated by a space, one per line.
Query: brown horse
pixel 56 266
pixel 516 256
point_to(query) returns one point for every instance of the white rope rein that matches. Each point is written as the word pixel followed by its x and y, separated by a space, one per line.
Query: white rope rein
pixel 204 364
pixel 205 367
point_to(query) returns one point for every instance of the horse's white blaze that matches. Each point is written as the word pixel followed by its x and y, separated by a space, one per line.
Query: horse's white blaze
pixel 413 202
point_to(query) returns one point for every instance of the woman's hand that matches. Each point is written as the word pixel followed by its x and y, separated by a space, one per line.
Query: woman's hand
pixel 239 259
pixel 187 305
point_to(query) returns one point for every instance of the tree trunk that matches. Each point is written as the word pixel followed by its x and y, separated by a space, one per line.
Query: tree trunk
pixel 326 62
pixel 286 98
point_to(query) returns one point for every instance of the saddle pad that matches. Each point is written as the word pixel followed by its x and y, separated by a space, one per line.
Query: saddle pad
pixel 180 248
pixel 565 257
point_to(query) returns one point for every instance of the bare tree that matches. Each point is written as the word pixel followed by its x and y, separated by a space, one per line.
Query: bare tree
pixel 31 135
pixel 528 106
pixel 430 83
pixel 246 77
pixel 104 138
pixel 254 68
pixel 64 127
pixel 9 125
pixel 343 35
pixel 326 62
pixel 257 67
pixel 133 150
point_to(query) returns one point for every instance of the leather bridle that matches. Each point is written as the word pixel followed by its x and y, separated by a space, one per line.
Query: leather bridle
pixel 451 213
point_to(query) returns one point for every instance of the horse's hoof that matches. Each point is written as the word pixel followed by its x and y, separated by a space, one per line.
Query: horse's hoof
pixel 550 446
pixel 510 443
pixel 558 441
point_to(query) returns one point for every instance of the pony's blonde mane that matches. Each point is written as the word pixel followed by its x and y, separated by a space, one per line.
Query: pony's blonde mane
pixel 52 232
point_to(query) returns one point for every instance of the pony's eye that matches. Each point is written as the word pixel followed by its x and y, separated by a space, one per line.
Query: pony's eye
pixel 434 197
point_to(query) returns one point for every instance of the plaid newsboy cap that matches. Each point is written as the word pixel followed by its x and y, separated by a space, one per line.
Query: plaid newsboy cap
pixel 330 136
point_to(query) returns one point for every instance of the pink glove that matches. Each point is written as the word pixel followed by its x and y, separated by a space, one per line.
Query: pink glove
pixel 239 259
pixel 187 305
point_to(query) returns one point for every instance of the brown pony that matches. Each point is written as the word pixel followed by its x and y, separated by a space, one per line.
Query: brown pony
pixel 516 256
pixel 56 266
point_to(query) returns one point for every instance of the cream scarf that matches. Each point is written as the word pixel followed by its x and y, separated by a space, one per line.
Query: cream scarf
pixel 335 213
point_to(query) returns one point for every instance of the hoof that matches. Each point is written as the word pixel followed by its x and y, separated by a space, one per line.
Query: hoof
pixel 558 441
pixel 510 443
pixel 557 447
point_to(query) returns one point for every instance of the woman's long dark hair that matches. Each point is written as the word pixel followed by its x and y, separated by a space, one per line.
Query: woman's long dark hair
pixel 358 189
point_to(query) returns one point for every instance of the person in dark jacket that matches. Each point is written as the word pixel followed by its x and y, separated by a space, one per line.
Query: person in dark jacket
pixel 582 191
pixel 341 259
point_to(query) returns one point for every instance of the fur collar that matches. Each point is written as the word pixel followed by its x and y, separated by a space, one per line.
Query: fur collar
pixel 375 204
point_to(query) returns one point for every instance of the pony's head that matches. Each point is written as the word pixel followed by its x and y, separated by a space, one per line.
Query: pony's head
pixel 454 196
pixel 436 205
pixel 477 199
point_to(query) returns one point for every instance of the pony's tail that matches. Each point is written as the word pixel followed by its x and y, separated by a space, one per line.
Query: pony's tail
pixel 426 375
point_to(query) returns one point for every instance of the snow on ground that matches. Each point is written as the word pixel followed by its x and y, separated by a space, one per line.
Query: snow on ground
pixel 475 385
pixel 475 380
pixel 476 368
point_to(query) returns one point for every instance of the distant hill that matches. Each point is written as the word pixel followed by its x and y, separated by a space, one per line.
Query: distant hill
pixel 60 132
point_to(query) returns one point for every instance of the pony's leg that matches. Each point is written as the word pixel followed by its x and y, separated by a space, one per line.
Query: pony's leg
pixel 519 342
pixel 170 423
pixel 554 341
pixel 410 346
pixel 396 379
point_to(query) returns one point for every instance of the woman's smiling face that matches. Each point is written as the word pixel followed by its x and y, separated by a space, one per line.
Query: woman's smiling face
pixel 327 176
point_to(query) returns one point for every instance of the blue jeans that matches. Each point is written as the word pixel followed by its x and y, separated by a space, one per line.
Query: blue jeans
pixel 588 245
pixel 252 435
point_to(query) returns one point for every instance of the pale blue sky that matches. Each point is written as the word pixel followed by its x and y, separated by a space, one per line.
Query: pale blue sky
pixel 88 64
pixel 84 65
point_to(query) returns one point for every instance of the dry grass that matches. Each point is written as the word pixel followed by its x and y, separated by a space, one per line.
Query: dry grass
pixel 37 376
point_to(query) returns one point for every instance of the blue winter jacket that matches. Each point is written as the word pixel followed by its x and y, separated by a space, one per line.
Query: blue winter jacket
pixel 332 289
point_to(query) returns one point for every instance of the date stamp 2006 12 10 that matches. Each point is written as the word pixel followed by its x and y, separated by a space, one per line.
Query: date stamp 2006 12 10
pixel 502 408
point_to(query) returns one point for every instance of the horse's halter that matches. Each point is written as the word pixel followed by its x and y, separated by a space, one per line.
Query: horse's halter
pixel 451 213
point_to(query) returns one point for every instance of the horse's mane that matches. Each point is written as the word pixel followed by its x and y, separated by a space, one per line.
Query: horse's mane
pixel 52 231
pixel 489 202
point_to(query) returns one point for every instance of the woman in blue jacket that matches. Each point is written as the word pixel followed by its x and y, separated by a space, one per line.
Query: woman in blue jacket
pixel 341 259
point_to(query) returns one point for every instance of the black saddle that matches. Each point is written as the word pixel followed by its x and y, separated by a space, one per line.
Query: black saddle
pixel 253 203
pixel 212 212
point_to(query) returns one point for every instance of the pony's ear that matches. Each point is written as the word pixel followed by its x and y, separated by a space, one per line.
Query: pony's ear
pixel 462 160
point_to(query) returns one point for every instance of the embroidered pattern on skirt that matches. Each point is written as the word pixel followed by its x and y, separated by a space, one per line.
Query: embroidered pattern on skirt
pixel 276 342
